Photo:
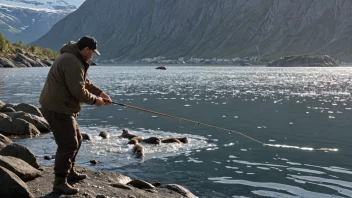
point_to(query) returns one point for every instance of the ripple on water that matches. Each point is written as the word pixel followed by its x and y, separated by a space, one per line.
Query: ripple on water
pixel 114 152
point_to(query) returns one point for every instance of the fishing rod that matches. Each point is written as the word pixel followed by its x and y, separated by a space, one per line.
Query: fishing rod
pixel 215 127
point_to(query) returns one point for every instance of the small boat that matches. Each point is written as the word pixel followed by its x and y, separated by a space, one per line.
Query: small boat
pixel 161 67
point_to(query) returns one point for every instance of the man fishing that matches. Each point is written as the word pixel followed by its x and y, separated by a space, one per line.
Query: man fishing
pixel 66 89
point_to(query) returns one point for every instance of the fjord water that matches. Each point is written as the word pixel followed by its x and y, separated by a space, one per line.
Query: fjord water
pixel 302 107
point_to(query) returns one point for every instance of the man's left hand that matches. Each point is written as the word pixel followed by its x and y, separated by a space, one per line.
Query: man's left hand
pixel 105 97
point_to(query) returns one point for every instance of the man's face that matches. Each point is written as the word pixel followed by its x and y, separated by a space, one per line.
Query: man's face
pixel 87 53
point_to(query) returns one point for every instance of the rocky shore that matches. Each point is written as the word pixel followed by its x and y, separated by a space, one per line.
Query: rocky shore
pixel 304 61
pixel 24 59
pixel 22 176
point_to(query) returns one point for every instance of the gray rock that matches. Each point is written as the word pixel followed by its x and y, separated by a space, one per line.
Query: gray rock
pixel 28 108
pixel 7 109
pixel 12 186
pixel 47 62
pixel 141 184
pixel 4 62
pixel 28 61
pixel 17 126
pixel 179 189
pixel 39 122
pixel 9 105
pixel 21 168
pixel 2 104
pixel 21 152
pixel 4 141
pixel 122 186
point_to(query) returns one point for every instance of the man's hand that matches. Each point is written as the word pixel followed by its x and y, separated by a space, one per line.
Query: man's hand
pixel 99 102
pixel 106 98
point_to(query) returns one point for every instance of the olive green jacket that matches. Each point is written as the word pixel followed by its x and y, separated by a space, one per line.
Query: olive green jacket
pixel 67 86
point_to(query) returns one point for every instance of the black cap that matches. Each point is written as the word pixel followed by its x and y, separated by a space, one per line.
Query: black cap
pixel 90 42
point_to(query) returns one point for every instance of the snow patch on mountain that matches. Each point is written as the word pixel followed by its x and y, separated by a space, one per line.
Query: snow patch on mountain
pixel 44 5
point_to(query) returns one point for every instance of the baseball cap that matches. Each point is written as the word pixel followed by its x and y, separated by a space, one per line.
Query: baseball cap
pixel 90 42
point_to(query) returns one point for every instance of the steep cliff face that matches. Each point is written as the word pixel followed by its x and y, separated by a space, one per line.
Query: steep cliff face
pixel 137 29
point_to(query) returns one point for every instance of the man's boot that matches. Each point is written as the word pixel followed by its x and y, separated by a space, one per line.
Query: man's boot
pixel 61 186
pixel 74 176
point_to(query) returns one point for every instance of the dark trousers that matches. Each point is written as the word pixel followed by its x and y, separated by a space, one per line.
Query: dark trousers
pixel 68 139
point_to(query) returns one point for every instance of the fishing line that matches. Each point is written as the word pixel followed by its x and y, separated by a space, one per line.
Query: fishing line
pixel 220 128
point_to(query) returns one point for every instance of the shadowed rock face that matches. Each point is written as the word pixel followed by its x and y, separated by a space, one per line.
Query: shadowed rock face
pixel 209 28
pixel 12 186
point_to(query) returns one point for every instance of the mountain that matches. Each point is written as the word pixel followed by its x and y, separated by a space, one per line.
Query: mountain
pixel 58 5
pixel 29 20
pixel 134 29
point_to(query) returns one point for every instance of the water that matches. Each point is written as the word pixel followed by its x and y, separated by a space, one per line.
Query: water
pixel 301 107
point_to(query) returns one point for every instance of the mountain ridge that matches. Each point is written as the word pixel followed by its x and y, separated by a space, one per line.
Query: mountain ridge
pixel 132 30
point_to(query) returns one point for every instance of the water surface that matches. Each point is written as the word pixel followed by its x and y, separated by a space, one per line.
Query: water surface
pixel 308 108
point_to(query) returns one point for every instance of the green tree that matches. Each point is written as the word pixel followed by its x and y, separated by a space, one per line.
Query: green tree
pixel 3 43
pixel 34 49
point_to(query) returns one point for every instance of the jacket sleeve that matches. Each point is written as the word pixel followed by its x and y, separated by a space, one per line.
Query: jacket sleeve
pixel 74 77
pixel 92 88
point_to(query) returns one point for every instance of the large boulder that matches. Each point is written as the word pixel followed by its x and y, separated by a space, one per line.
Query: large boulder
pixel 21 152
pixel 21 168
pixel 12 186
pixel 179 189
pixel 4 141
pixel 28 108
pixel 4 62
pixel 17 126
pixel 29 62
pixel 47 62
pixel 7 108
pixel 39 122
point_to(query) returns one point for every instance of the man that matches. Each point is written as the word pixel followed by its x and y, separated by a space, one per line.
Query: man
pixel 65 89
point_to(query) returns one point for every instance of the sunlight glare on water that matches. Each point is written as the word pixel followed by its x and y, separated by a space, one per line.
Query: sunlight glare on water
pixel 303 115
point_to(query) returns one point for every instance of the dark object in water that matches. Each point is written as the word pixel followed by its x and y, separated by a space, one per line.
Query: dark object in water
pixel 47 157
pixel 94 162
pixel 138 150
pixel 170 140
pixel 161 68
pixel 104 135
pixel 127 134
pixel 183 139
pixel 86 136
pixel 136 140
pixel 152 140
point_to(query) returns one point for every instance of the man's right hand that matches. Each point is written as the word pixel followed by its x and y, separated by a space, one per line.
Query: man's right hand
pixel 99 102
